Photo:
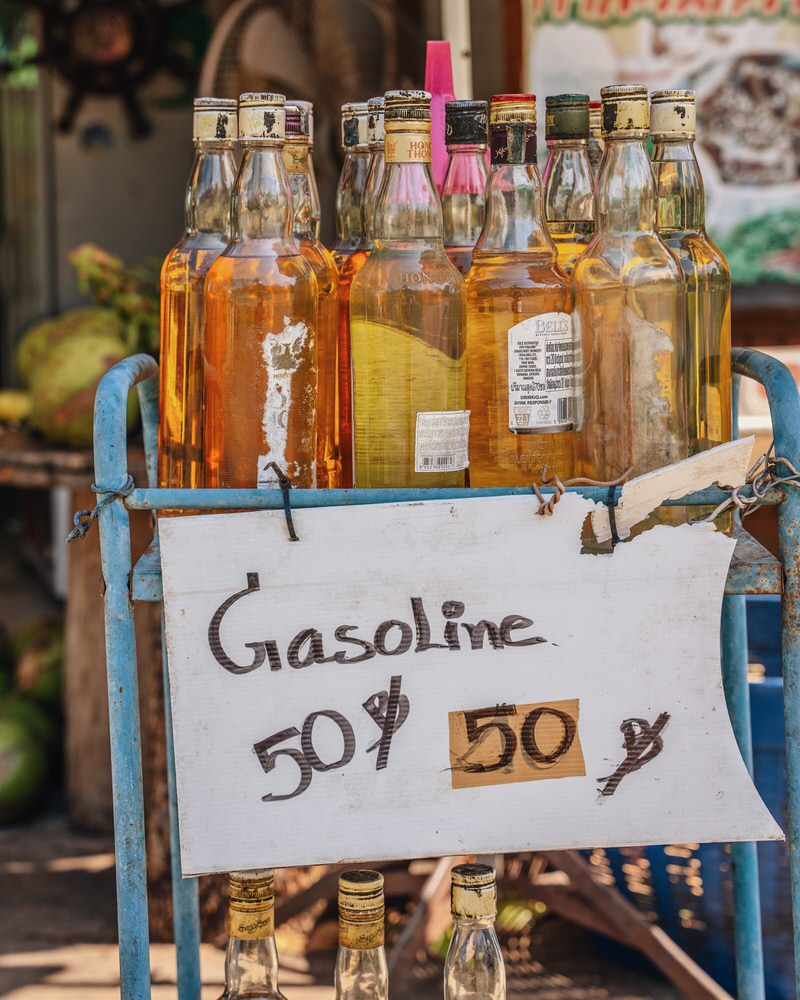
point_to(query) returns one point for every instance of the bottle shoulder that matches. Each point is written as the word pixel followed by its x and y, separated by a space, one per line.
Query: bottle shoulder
pixel 632 258
pixel 321 261
pixel 390 267
pixel 515 271
pixel 698 255
pixel 290 270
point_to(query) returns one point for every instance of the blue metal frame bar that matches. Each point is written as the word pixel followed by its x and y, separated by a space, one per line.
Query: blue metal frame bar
pixel 111 472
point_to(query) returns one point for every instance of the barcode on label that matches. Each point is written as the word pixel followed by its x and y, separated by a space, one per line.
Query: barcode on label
pixel 564 410
pixel 438 462
pixel 441 441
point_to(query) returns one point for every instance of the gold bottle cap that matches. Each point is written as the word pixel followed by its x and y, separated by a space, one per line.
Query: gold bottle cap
pixel 361 909
pixel 625 110
pixel 214 118
pixel 512 109
pixel 354 125
pixel 375 122
pixel 473 891
pixel 406 110
pixel 262 117
pixel 251 904
pixel 672 114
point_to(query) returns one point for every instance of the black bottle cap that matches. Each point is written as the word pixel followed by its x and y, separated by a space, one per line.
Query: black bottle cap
pixel 466 123
pixel 567 116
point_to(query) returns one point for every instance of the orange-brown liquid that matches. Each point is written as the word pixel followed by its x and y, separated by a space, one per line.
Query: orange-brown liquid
pixel 349 265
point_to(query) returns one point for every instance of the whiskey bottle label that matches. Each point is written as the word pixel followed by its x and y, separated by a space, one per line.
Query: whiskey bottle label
pixel 541 374
pixel 408 147
pixel 441 443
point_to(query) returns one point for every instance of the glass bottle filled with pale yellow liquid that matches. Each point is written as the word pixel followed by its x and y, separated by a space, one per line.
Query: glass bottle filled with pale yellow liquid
pixel 681 224
pixel 464 188
pixel 251 956
pixel 568 178
pixel 261 314
pixel 406 323
pixel 183 275
pixel 630 307
pixel 361 971
pixel 520 337
pixel 295 158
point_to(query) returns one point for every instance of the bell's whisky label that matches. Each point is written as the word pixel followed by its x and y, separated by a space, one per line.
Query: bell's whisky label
pixel 442 441
pixel 541 374
pixel 295 158
pixel 513 142
pixel 408 147
pixel 251 923
pixel 503 744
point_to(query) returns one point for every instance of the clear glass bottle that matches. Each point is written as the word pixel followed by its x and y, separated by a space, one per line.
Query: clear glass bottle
pixel 520 338
pixel 251 958
pixel 568 178
pixel 361 972
pixel 631 311
pixel 352 181
pixel 261 314
pixel 307 117
pixel 296 154
pixel 183 275
pixel 474 968
pixel 406 323
pixel 375 137
pixel 596 141
pixel 682 226
pixel 464 188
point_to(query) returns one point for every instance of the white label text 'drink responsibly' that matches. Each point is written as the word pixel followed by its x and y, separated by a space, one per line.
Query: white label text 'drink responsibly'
pixel 449 677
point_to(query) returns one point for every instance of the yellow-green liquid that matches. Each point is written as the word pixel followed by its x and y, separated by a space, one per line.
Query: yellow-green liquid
pixel 407 343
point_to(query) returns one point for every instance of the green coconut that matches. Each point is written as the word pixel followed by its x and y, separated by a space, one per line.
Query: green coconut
pixel 38 671
pixel 45 730
pixel 40 340
pixel 64 387
pixel 23 771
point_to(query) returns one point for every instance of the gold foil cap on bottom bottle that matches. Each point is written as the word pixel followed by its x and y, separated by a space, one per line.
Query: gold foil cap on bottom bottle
pixel 251 904
pixel 625 110
pixel 473 891
pixel 214 118
pixel 361 909
pixel 672 114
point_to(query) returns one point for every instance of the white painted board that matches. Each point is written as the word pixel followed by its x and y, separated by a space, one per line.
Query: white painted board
pixel 628 636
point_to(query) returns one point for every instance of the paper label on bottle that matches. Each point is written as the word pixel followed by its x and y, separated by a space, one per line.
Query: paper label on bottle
pixel 407 147
pixel 541 374
pixel 442 441
pixel 295 158
pixel 251 923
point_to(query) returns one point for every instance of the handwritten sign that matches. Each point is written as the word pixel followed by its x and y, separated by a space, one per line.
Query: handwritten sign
pixel 445 678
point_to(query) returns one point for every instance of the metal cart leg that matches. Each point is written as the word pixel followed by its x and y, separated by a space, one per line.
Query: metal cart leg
pixel 185 904
pixel 746 902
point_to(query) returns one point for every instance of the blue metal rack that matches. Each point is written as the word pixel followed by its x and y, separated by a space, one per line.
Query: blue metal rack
pixel 753 571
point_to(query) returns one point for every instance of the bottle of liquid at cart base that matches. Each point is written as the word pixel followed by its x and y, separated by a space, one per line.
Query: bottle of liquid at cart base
pixel 361 972
pixel 474 968
pixel 520 339
pixel 296 155
pixel 682 226
pixel 464 190
pixel 406 323
pixel 251 958
pixel 183 275
pixel 261 315
pixel 630 304
pixel 568 177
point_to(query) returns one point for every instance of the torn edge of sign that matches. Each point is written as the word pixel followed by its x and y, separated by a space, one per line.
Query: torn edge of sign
pixel 727 464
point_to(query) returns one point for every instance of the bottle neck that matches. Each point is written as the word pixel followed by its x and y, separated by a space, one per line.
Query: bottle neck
pixel 297 160
pixel 679 186
pixel 350 196
pixel 251 968
pixel 514 212
pixel 361 974
pixel 474 965
pixel 568 181
pixel 408 206
pixel 208 195
pixel 464 194
pixel 626 187
pixel 262 200
pixel 372 190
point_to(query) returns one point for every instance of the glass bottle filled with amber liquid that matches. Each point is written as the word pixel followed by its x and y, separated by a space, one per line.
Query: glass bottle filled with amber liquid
pixel 307 116
pixel 682 226
pixel 406 323
pixel 251 957
pixel 568 178
pixel 296 159
pixel 520 338
pixel 183 275
pixel 261 314
pixel 631 310
pixel 464 188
